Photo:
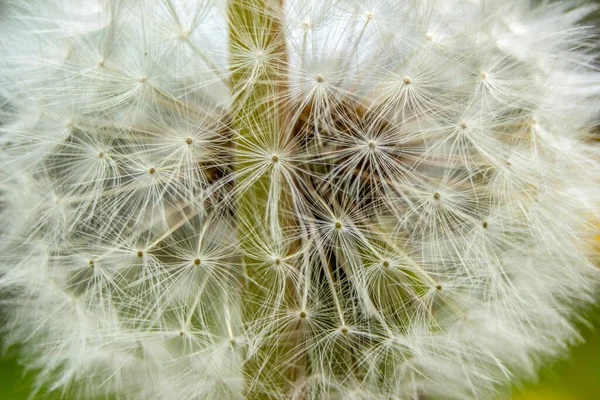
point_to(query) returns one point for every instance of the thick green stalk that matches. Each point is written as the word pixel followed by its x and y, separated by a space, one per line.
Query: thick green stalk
pixel 257 57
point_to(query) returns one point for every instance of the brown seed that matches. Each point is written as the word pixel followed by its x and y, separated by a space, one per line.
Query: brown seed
pixel 140 254
pixel 188 140
pixel 485 224
pixel 436 196
pixel 302 315
pixel 197 261
pixel 275 158
pixel 151 171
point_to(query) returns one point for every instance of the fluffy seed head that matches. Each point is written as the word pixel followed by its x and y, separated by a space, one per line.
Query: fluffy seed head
pixel 297 199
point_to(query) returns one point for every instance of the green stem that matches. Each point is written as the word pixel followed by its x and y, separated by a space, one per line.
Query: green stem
pixel 257 58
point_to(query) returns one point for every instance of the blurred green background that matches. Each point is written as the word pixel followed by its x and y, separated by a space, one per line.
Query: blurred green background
pixel 576 378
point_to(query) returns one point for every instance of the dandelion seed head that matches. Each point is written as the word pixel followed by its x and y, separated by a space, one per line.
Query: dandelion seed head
pixel 229 199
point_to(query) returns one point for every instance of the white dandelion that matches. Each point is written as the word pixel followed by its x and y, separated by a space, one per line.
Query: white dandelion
pixel 296 199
